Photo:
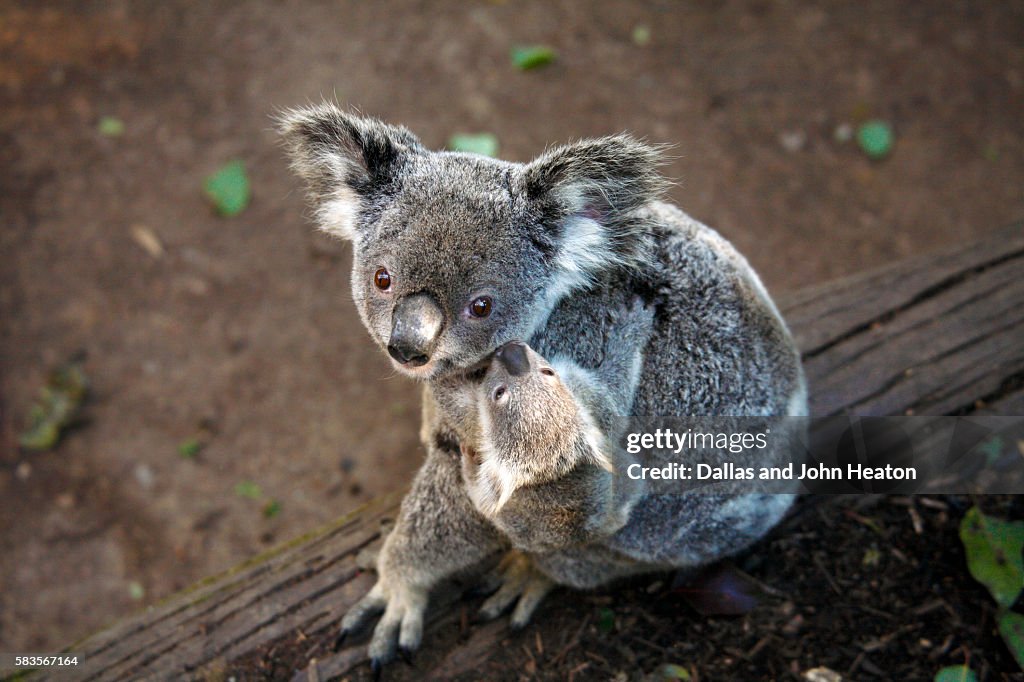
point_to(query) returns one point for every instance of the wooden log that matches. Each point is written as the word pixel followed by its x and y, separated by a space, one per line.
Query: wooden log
pixel 940 334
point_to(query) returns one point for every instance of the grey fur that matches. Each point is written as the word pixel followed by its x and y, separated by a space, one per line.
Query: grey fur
pixel 561 245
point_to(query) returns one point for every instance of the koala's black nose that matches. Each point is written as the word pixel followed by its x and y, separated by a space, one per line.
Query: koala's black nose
pixel 407 355
pixel 513 356
pixel 416 324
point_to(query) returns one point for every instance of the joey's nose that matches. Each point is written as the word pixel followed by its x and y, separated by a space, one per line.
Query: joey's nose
pixel 513 356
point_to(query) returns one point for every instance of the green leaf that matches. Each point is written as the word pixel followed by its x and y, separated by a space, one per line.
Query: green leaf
pixel 994 558
pixel 1011 627
pixel 526 57
pixel 875 139
pixel 641 34
pixel 228 189
pixel 605 620
pixel 671 671
pixel 271 509
pixel 190 448
pixel 110 126
pixel 57 407
pixel 484 144
pixel 991 448
pixel 956 673
pixel 249 489
pixel 136 590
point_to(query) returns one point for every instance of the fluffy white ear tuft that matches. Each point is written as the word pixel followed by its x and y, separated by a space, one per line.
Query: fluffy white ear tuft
pixel 343 158
pixel 338 215
pixel 589 193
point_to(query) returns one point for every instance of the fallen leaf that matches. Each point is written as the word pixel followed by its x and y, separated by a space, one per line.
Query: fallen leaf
pixel 148 240
pixel 641 34
pixel 671 671
pixel 188 449
pixel 484 144
pixel 994 558
pixel 271 509
pixel 1011 627
pixel 228 189
pixel 249 489
pixel 526 57
pixel 956 673
pixel 59 403
pixel 875 139
pixel 721 591
pixel 110 126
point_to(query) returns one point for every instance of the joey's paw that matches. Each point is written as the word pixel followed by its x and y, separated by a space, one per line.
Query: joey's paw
pixel 633 317
pixel 399 630
pixel 520 582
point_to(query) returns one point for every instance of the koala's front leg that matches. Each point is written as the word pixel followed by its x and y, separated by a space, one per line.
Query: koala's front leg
pixel 438 533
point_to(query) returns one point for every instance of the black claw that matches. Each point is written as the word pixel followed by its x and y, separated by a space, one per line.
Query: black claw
pixel 341 639
pixel 516 627
pixel 406 654
pixel 375 668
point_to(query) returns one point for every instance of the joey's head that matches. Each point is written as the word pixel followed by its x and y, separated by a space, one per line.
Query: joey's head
pixel 456 254
pixel 525 407
pixel 533 429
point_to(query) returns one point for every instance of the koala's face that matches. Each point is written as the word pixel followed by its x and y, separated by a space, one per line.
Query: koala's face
pixel 527 410
pixel 456 254
pixel 446 269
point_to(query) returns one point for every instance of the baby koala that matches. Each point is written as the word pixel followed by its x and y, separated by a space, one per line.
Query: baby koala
pixel 542 469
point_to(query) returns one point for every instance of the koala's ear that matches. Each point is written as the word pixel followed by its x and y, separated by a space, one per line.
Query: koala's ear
pixel 343 159
pixel 589 191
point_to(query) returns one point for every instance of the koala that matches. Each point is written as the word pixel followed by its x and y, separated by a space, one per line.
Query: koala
pixel 455 257
pixel 543 466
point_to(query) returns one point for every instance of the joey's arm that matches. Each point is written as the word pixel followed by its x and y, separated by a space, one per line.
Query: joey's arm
pixel 607 390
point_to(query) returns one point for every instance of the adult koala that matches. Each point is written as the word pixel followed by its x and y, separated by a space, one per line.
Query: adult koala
pixel 456 255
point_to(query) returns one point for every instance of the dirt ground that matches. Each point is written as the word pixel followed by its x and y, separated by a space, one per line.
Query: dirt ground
pixel 241 330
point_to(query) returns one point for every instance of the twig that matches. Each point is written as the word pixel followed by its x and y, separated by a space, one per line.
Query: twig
pixel 828 577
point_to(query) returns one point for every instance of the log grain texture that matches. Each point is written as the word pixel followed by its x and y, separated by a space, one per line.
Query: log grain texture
pixel 939 334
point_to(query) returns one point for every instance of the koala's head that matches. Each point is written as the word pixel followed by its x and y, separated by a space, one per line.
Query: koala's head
pixel 455 254
pixel 532 428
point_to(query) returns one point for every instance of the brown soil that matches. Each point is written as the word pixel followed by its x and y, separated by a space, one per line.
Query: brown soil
pixel 242 329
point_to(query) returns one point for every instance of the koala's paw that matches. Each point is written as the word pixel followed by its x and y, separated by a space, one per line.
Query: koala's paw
pixel 400 628
pixel 518 579
pixel 637 311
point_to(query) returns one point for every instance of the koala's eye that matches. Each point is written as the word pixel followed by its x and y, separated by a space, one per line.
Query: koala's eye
pixel 480 307
pixel 382 279
pixel 547 371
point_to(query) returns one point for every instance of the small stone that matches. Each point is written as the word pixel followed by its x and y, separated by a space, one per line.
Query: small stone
pixel 822 674
pixel 144 475
pixel 793 141
pixel 843 133
pixel 23 471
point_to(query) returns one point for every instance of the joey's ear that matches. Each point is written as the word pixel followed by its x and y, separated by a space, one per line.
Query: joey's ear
pixel 589 192
pixel 343 159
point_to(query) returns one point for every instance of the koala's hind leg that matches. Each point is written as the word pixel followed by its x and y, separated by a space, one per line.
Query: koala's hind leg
pixel 438 534
pixel 519 580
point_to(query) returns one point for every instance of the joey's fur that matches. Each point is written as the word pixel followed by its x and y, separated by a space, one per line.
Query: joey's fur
pixel 555 253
